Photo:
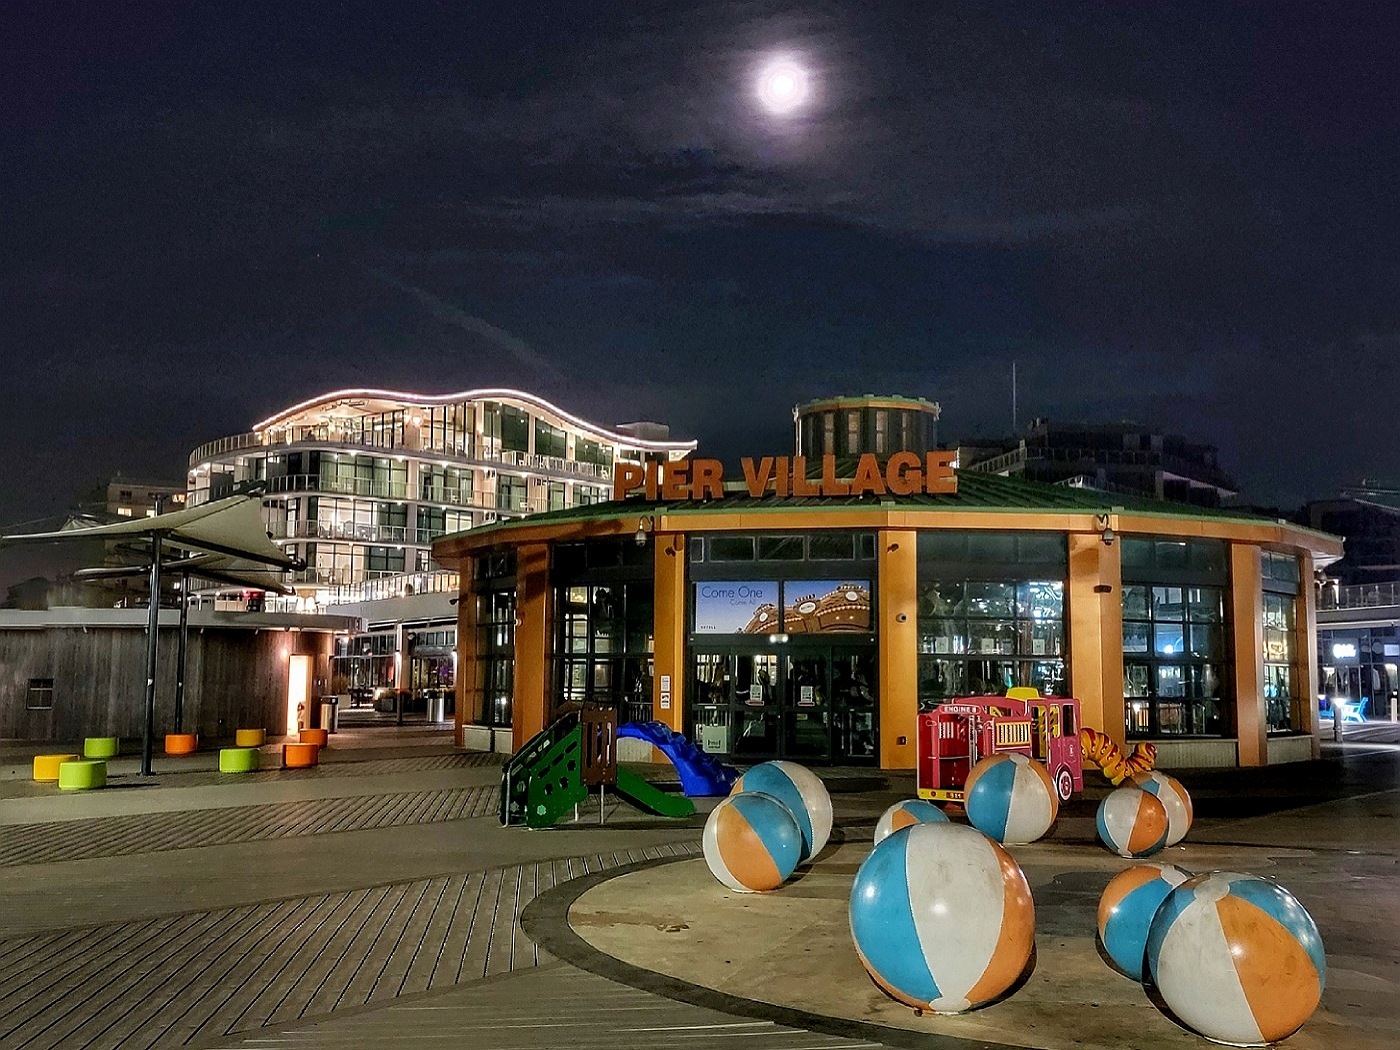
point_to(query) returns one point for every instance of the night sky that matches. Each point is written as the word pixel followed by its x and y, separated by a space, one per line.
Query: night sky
pixel 1181 214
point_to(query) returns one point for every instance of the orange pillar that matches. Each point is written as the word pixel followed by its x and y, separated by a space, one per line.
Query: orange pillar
pixel 469 670
pixel 1095 617
pixel 1247 630
pixel 899 652
pixel 668 612
pixel 533 623
pixel 1305 653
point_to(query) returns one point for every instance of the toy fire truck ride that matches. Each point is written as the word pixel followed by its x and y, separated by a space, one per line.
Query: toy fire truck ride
pixel 954 735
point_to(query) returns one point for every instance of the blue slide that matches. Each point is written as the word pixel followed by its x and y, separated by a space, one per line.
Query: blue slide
pixel 701 774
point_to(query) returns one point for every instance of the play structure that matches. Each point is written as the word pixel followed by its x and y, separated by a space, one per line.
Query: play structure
pixel 955 735
pixel 1102 751
pixel 555 770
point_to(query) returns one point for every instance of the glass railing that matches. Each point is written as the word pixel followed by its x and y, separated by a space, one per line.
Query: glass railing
pixel 395 585
pixel 338 486
pixel 315 530
pixel 1359 595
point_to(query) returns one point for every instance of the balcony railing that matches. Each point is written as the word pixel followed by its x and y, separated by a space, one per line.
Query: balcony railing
pixel 395 585
pixel 1360 596
pixel 338 486
pixel 317 530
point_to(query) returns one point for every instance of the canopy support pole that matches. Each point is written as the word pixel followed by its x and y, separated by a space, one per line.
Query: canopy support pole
pixel 152 650
pixel 182 652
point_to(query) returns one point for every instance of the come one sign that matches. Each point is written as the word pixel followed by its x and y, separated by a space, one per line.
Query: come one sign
pixel 902 474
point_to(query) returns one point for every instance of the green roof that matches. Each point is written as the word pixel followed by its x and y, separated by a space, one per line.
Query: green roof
pixel 976 492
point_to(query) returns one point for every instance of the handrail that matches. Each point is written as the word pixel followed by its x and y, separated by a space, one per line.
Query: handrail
pixel 1359 595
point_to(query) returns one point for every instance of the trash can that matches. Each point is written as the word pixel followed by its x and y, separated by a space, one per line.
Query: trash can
pixel 437 707
pixel 330 713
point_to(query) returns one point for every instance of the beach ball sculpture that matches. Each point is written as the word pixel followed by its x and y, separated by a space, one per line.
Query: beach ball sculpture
pixel 1180 812
pixel 1237 958
pixel 752 842
pixel 802 791
pixel 942 918
pixel 905 815
pixel 1127 906
pixel 1011 798
pixel 1132 823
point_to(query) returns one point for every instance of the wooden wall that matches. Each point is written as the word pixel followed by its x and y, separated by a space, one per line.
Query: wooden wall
pixel 234 679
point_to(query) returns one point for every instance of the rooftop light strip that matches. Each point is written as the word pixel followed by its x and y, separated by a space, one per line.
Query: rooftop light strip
pixel 410 399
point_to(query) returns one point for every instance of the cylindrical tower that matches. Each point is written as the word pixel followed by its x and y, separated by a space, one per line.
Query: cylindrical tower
pixel 847 427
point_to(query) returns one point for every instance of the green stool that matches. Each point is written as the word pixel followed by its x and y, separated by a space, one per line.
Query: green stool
pixel 82 774
pixel 234 760
pixel 100 747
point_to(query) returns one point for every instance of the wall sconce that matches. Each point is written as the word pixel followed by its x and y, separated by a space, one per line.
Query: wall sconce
pixel 1106 532
pixel 644 526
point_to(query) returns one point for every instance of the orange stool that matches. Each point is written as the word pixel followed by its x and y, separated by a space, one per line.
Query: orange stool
pixel 300 756
pixel 181 743
pixel 319 737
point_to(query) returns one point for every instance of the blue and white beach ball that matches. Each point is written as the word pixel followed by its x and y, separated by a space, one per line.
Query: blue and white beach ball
pixel 802 791
pixel 1011 798
pixel 1132 822
pixel 905 815
pixel 1174 797
pixel 942 918
pixel 1126 908
pixel 1237 958
pixel 752 843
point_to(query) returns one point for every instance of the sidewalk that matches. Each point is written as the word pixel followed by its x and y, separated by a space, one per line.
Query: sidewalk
pixel 375 901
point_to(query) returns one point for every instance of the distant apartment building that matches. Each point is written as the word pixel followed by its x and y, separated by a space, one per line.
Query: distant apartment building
pixel 359 483
pixel 1367 516
pixel 1108 457
pixel 129 498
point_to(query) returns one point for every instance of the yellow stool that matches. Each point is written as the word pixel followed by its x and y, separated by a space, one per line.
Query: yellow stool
pixel 238 760
pixel 100 747
pixel 250 737
pixel 181 743
pixel 300 756
pixel 319 737
pixel 82 774
pixel 46 766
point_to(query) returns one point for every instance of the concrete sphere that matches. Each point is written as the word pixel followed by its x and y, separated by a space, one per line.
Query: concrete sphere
pixel 1236 958
pixel 905 815
pixel 942 918
pixel 1132 823
pixel 1011 798
pixel 802 791
pixel 1180 812
pixel 1126 908
pixel 752 842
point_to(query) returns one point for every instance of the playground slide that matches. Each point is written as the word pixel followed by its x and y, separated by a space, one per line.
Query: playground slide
pixel 644 796
pixel 543 781
pixel 701 774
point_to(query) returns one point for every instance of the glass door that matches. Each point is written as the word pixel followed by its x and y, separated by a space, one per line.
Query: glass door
pixel 854 716
pixel 806 706
pixel 757 705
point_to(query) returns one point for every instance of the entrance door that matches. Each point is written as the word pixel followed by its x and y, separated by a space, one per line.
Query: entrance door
pixel 809 703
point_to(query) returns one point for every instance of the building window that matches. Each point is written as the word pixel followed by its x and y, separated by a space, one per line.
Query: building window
pixel 511 493
pixel 1173 655
pixel 515 429
pixel 550 440
pixel 605 646
pixel 982 637
pixel 1280 686
pixel 40 697
pixel 495 652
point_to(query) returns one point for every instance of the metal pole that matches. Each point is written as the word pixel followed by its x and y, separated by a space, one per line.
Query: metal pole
pixel 181 653
pixel 152 648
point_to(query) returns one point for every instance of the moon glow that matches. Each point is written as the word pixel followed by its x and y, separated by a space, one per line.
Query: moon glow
pixel 782 86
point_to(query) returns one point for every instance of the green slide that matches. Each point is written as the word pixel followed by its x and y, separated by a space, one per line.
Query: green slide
pixel 642 795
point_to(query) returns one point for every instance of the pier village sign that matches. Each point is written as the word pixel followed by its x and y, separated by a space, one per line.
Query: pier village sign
pixel 902 474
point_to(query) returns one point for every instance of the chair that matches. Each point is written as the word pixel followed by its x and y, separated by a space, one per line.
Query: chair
pixel 1355 712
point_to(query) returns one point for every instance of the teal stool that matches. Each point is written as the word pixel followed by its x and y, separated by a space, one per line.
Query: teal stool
pixel 233 760
pixel 100 747
pixel 82 774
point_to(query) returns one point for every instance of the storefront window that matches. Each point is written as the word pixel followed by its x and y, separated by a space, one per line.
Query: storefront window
pixel 1173 652
pixel 1280 688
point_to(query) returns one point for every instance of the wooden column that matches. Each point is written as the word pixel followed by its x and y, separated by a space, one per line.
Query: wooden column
pixel 1095 620
pixel 669 612
pixel 898 625
pixel 1305 653
pixel 534 622
pixel 1247 632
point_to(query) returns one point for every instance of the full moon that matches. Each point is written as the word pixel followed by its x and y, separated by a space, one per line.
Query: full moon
pixel 782 87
